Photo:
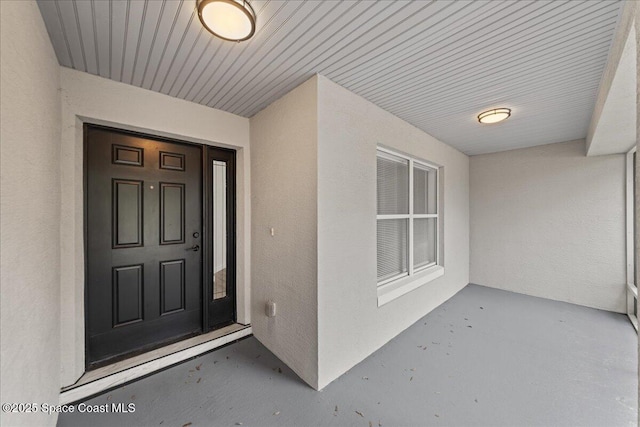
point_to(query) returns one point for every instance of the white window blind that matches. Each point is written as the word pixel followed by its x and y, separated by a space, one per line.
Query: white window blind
pixel 393 248
pixel 424 189
pixel 393 185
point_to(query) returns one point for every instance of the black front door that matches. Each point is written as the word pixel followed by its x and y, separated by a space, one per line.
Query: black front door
pixel 144 238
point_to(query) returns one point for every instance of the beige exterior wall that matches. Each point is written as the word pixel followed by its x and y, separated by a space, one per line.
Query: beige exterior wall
pixel 548 221
pixel 29 213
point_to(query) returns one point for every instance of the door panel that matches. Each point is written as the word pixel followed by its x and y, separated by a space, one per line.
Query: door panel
pixel 127 294
pixel 171 213
pixel 144 218
pixel 127 213
pixel 172 286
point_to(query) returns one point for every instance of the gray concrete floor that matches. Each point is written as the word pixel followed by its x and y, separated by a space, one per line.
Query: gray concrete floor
pixel 484 358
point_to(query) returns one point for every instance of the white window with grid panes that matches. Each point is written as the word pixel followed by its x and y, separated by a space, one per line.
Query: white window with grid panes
pixel 407 218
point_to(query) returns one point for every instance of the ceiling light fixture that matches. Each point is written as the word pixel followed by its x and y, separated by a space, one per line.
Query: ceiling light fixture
pixel 494 116
pixel 231 20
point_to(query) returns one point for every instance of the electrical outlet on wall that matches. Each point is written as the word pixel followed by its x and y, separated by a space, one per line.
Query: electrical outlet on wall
pixel 270 309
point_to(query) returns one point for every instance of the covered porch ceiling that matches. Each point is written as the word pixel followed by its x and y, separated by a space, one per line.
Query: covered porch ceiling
pixel 434 64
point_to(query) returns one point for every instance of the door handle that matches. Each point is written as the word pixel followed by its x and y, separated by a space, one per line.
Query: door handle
pixel 194 248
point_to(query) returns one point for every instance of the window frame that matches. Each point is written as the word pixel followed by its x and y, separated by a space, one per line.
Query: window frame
pixel 632 289
pixel 413 272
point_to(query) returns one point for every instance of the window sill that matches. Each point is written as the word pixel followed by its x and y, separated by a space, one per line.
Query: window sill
pixel 393 290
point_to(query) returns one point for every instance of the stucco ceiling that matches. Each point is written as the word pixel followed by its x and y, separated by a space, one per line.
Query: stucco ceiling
pixel 433 64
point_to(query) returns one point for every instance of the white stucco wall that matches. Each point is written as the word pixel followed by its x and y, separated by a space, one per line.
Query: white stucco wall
pixel 351 326
pixel 29 213
pixel 548 221
pixel 615 132
pixel 612 100
pixel 314 183
pixel 92 99
pixel 284 197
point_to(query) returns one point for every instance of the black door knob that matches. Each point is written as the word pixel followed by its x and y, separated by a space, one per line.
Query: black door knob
pixel 194 248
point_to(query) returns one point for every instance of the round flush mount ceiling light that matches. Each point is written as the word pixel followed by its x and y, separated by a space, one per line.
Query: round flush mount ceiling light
pixel 494 116
pixel 232 20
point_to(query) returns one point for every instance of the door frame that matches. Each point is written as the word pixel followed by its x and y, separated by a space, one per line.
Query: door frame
pixel 631 288
pixel 92 99
pixel 231 243
pixel 205 214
